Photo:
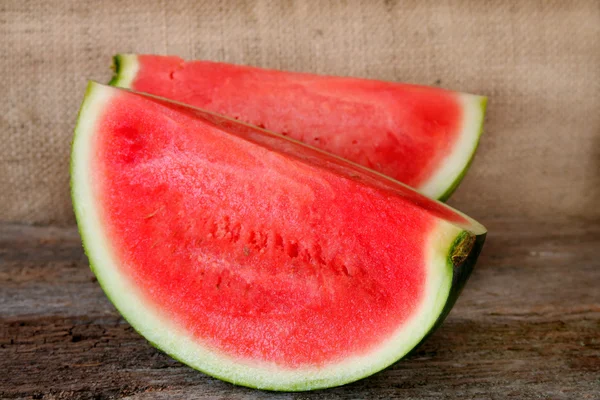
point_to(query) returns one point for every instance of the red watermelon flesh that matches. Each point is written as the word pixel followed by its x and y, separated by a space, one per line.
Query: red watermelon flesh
pixel 422 136
pixel 255 258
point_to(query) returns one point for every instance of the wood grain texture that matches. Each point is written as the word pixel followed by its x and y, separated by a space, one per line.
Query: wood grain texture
pixel 527 326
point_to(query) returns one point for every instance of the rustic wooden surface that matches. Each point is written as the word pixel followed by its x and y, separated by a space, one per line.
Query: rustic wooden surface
pixel 527 326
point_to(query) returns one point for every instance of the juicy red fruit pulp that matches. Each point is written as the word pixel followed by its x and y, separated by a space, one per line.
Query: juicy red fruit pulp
pixel 255 253
pixel 403 131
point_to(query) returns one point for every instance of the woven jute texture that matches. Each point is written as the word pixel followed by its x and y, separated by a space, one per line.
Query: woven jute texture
pixel 538 61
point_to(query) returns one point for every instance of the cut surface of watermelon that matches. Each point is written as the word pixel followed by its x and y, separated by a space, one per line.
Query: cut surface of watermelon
pixel 253 257
pixel 425 137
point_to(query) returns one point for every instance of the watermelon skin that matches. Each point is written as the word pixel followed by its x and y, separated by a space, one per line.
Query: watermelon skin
pixel 422 136
pixel 463 235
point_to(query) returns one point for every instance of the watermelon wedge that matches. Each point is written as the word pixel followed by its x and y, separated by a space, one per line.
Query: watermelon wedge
pixel 253 257
pixel 422 136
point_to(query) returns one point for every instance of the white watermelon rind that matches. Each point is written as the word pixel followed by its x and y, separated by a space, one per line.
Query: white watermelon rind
pixel 441 185
pixel 457 164
pixel 441 289
pixel 126 67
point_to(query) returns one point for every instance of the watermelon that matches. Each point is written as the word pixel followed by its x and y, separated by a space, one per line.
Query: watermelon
pixel 425 137
pixel 254 257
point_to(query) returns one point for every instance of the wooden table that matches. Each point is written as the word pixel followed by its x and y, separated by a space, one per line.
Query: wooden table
pixel 526 327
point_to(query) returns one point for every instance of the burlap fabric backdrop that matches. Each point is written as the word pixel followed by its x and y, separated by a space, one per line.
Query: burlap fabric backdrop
pixel 538 61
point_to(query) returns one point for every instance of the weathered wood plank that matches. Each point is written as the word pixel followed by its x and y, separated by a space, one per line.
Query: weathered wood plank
pixel 527 326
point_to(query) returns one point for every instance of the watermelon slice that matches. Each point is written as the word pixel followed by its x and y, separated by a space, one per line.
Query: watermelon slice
pixel 422 136
pixel 253 257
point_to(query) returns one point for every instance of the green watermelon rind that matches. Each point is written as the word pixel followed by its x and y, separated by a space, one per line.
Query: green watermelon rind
pixel 457 181
pixel 441 185
pixel 125 68
pixel 146 320
pixel 460 276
